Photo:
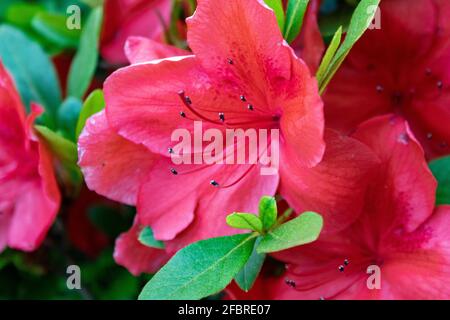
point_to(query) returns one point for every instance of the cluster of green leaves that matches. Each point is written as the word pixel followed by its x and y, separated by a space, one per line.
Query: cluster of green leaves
pixel 291 24
pixel 208 266
pixel 336 53
pixel 441 171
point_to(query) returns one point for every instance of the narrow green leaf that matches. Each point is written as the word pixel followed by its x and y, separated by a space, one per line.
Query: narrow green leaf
pixel 295 13
pixel 244 221
pixel 94 103
pixel 85 61
pixel 329 55
pixel 64 149
pixel 201 269
pixel 248 274
pixel 268 212
pixel 277 7
pixel 361 20
pixel 32 70
pixel 147 239
pixel 301 230
pixel 53 28
pixel 441 171
pixel 68 115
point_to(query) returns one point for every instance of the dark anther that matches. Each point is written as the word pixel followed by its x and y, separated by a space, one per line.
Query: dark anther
pixel 188 100
pixel 221 116
pixel 379 88
pixel 230 61
pixel 214 183
pixel 428 71
pixel 170 150
pixel 346 262
pixel 290 283
pixel 341 268
pixel 440 84
pixel 250 107
pixel 242 97
pixel 175 172
pixel 182 114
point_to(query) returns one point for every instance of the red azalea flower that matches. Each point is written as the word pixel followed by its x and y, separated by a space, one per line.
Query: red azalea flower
pixel 401 68
pixel 29 195
pixel 243 75
pixel 125 18
pixel 399 231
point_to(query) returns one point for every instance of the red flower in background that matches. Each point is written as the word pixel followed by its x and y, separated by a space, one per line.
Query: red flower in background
pixel 402 68
pixel 399 230
pixel 125 18
pixel 29 195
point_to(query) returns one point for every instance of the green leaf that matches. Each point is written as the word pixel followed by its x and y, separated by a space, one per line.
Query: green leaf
pixel 94 103
pixel 268 212
pixel 201 269
pixel 64 149
pixel 441 171
pixel 277 7
pixel 361 20
pixel 68 115
pixel 53 28
pixel 301 230
pixel 85 61
pixel 295 13
pixel 33 72
pixel 21 14
pixel 244 221
pixel 147 239
pixel 248 274
pixel 329 55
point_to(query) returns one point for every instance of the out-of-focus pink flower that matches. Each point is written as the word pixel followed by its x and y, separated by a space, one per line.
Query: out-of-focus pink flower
pixel 29 194
pixel 399 231
pixel 242 75
pixel 402 68
pixel 125 18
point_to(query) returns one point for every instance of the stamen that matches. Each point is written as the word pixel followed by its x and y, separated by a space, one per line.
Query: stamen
pixel 230 61
pixel 346 262
pixel 341 268
pixel 175 172
pixel 222 117
pixel 250 107
pixel 214 183
pixel 290 283
pixel 182 114
pixel 242 97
